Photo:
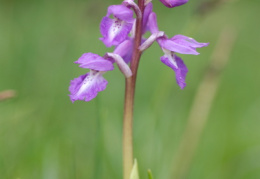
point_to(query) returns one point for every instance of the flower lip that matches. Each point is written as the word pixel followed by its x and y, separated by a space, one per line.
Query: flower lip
pixel 177 65
pixel 86 87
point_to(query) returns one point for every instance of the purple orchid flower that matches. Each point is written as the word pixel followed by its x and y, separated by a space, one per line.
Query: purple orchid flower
pixel 115 31
pixel 177 44
pixel 86 87
pixel 173 3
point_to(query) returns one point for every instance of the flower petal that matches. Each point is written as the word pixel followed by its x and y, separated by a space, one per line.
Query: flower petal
pixel 188 41
pixel 86 87
pixel 176 47
pixel 152 23
pixel 176 63
pixel 121 12
pixel 94 62
pixel 147 11
pixel 173 3
pixel 114 31
pixel 125 50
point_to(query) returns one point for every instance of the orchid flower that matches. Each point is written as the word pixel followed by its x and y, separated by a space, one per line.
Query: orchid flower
pixel 116 30
pixel 86 87
pixel 177 44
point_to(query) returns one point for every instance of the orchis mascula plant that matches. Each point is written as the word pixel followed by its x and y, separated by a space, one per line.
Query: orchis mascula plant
pixel 125 33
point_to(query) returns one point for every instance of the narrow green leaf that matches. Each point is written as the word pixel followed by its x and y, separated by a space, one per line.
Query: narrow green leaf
pixel 150 176
pixel 134 172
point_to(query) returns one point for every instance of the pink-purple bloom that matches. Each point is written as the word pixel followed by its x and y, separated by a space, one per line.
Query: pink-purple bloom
pixel 177 44
pixel 118 30
pixel 86 87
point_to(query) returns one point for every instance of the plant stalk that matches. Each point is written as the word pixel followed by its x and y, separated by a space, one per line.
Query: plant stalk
pixel 129 99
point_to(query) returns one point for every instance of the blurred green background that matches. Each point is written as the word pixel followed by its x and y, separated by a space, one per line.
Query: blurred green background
pixel 44 136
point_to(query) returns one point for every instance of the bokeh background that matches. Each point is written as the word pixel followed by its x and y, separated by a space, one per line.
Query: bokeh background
pixel 44 136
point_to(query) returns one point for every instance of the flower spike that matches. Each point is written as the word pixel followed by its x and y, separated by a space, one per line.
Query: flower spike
pixel 118 29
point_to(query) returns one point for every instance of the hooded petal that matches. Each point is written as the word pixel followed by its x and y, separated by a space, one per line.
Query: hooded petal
pixel 178 66
pixel 120 12
pixel 173 3
pixel 114 31
pixel 94 62
pixel 86 87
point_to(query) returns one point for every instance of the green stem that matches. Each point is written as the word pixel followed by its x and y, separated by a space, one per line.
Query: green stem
pixel 129 99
